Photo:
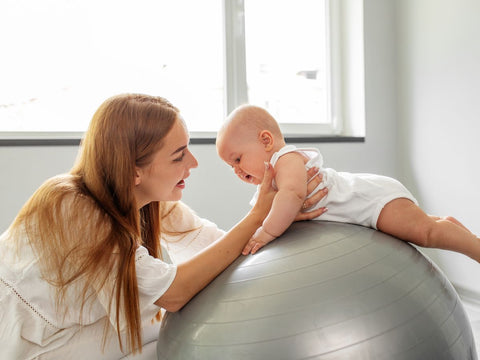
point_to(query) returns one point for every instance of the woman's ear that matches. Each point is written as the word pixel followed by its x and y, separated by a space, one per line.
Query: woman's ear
pixel 267 140
pixel 138 178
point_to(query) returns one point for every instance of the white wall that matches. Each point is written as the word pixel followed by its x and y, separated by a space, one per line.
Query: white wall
pixel 23 170
pixel 439 115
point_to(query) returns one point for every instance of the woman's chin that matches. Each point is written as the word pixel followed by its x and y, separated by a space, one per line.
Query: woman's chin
pixel 177 194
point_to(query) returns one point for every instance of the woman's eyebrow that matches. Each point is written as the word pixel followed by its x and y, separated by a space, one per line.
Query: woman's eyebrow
pixel 181 148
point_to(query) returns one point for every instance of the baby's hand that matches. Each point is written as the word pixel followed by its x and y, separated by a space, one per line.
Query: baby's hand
pixel 257 241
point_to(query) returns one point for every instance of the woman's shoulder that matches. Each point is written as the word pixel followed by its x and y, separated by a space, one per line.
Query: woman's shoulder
pixel 66 194
pixel 67 183
pixel 178 216
pixel 68 187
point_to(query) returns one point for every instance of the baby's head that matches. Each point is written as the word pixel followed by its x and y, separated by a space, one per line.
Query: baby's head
pixel 248 138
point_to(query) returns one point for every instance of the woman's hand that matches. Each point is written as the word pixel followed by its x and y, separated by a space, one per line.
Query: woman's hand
pixel 314 179
pixel 197 271
pixel 266 193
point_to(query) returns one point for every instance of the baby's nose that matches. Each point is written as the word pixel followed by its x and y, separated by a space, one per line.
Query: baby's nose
pixel 237 171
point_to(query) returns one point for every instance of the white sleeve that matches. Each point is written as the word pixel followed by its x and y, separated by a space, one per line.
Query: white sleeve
pixel 182 246
pixel 154 277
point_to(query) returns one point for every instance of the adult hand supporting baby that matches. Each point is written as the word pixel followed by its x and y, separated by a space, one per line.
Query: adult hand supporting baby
pixel 266 193
pixel 314 179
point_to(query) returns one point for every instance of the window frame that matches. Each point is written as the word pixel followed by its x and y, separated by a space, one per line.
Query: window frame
pixel 345 84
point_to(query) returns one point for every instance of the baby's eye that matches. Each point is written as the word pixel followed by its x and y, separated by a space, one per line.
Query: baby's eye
pixel 237 160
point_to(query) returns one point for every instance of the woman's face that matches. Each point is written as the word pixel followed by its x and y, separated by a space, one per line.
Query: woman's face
pixel 164 178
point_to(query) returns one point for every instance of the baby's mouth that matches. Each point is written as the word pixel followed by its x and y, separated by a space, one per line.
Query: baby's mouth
pixel 250 179
pixel 245 177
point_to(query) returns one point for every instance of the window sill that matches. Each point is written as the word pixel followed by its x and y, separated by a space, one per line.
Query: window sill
pixel 75 141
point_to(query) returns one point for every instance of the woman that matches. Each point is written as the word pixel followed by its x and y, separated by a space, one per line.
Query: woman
pixel 83 259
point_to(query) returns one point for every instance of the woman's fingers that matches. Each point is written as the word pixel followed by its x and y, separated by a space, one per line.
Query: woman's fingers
pixel 266 192
pixel 312 172
pixel 314 199
pixel 268 175
pixel 314 178
pixel 266 187
pixel 309 215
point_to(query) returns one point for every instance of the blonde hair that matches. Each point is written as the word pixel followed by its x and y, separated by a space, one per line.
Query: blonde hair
pixel 88 220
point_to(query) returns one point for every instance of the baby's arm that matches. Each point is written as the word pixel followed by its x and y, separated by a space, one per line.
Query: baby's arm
pixel 291 180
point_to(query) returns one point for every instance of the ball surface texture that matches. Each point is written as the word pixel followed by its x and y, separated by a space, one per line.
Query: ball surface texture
pixel 323 290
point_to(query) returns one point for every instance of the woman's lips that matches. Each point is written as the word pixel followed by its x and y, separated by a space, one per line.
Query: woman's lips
pixel 181 184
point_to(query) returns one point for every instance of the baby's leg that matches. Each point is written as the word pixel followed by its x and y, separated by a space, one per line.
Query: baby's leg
pixel 405 220
pixel 449 218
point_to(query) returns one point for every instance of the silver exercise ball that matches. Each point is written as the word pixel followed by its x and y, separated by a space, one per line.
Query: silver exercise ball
pixel 323 291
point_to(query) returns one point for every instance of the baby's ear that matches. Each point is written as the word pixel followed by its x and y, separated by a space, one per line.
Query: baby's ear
pixel 266 139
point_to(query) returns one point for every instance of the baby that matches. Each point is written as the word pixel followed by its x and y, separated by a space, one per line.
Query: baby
pixel 251 136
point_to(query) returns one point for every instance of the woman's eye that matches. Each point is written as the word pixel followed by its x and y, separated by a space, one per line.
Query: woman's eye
pixel 180 158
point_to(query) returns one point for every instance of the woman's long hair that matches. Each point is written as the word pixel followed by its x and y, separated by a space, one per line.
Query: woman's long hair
pixel 85 225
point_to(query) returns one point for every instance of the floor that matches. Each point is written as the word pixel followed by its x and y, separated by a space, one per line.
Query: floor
pixel 472 307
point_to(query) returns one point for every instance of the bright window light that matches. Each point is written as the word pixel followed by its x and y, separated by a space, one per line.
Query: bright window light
pixel 286 54
pixel 66 57
pixel 61 59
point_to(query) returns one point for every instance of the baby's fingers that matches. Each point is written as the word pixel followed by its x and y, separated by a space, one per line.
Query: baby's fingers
pixel 256 247
pixel 248 248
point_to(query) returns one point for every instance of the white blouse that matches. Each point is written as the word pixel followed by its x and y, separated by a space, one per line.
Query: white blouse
pixel 30 328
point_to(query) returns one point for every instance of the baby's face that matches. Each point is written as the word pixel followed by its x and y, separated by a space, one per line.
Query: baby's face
pixel 246 157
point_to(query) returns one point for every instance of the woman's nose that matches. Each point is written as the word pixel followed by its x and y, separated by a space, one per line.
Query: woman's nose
pixel 193 162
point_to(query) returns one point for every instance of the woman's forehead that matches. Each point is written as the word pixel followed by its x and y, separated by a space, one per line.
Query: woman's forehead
pixel 177 135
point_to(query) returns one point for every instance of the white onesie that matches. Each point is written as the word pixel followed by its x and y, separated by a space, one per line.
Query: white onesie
pixel 351 198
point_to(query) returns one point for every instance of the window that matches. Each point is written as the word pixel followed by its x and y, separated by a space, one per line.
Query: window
pixel 286 59
pixel 63 58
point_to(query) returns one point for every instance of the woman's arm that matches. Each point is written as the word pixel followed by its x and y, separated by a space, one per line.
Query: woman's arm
pixel 194 274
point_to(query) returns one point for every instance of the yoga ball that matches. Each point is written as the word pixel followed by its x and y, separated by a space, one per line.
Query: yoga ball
pixel 323 290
